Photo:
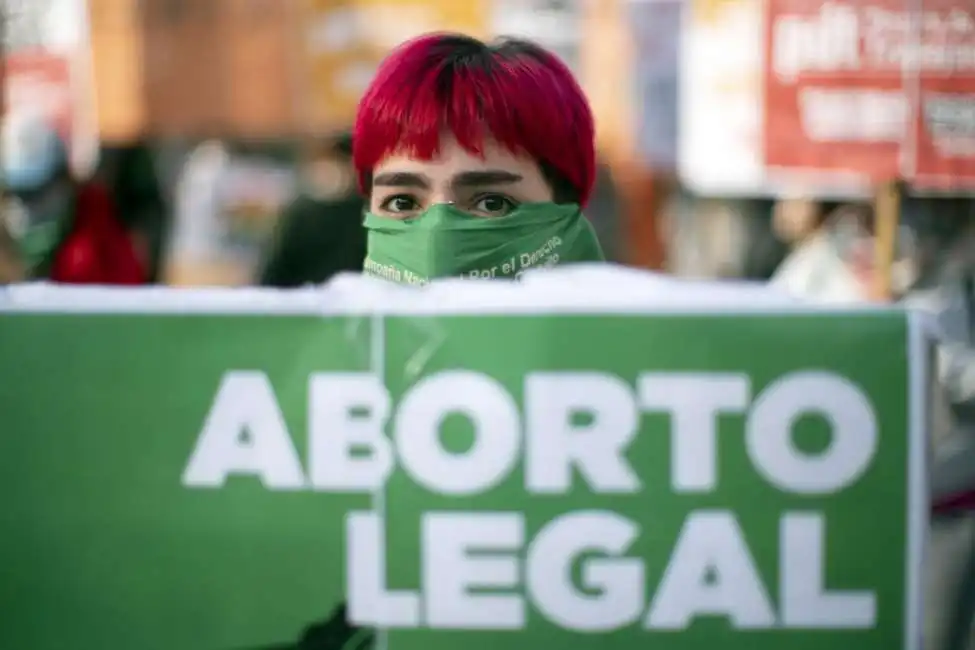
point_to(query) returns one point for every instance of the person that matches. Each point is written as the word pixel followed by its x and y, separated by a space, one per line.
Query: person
pixel 129 172
pixel 11 265
pixel 195 251
pixel 476 160
pixel 320 233
pixel 64 229
pixel 833 256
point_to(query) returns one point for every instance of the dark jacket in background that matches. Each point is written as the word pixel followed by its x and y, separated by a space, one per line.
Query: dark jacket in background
pixel 130 172
pixel 315 240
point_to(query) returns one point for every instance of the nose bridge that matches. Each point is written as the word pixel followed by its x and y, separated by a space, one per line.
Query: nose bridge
pixel 440 198
pixel 441 195
pixel 441 192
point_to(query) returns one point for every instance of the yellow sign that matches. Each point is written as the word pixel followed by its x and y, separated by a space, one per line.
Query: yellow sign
pixel 343 41
pixel 710 12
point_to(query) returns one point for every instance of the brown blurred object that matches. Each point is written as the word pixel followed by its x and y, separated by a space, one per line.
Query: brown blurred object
pixel 11 268
pixel 260 62
pixel 255 69
pixel 340 43
pixel 606 58
pixel 194 68
pixel 220 67
pixel 795 219
pixel 118 44
pixel 645 196
pixel 206 273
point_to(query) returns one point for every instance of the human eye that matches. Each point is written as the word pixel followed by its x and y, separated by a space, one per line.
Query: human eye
pixel 399 205
pixel 493 205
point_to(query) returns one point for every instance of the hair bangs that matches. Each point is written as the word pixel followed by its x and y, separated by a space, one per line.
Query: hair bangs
pixel 514 93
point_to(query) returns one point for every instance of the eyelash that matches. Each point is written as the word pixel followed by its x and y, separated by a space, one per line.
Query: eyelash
pixel 387 202
pixel 385 205
pixel 511 203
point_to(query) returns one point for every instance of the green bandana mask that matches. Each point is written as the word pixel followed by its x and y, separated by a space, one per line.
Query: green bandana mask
pixel 447 242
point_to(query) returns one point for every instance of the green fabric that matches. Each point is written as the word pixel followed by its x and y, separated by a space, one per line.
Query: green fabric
pixel 445 241
pixel 39 241
pixel 46 231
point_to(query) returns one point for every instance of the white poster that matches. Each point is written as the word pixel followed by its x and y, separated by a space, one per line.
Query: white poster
pixel 720 145
pixel 38 36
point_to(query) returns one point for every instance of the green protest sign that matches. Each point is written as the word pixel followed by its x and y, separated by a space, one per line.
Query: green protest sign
pixel 686 482
pixel 223 481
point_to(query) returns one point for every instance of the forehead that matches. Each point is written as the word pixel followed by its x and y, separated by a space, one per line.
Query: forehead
pixel 452 158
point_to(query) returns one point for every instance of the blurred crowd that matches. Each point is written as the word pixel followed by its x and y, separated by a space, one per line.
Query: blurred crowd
pixel 285 214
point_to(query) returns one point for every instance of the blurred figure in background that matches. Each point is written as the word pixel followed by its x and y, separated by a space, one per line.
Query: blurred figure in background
pixel 129 171
pixel 833 255
pixel 194 254
pixel 11 268
pixel 63 228
pixel 815 267
pixel 320 233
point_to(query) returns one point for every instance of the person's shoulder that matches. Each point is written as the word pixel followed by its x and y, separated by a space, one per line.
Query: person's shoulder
pixel 308 207
pixel 299 207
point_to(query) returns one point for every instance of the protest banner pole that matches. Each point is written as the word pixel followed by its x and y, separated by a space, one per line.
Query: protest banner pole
pixel 887 208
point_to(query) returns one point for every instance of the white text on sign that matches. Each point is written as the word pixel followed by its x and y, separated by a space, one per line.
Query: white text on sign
pixel 711 570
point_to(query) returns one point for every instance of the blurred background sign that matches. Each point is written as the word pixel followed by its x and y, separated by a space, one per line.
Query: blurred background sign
pixel 605 62
pixel 833 103
pixel 342 42
pixel 197 68
pixel 279 68
pixel 38 84
pixel 943 132
pixel 47 71
pixel 260 82
pixel 118 58
pixel 220 67
pixel 860 90
pixel 720 145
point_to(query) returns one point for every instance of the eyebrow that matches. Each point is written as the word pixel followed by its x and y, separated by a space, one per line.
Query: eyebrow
pixel 463 180
pixel 401 179
pixel 484 178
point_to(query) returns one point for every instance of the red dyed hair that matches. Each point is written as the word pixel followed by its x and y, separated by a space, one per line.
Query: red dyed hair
pixel 513 91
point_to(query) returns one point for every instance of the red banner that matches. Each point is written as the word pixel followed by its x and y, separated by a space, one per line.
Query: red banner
pixel 878 88
pixel 943 136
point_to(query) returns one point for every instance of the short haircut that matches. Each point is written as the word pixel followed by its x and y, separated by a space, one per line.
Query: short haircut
pixel 511 90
